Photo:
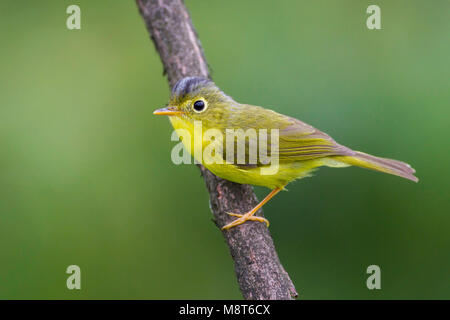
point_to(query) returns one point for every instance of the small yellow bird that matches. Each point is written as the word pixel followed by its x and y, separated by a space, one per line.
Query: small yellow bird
pixel 301 147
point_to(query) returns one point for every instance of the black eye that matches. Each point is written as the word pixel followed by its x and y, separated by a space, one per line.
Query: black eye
pixel 199 105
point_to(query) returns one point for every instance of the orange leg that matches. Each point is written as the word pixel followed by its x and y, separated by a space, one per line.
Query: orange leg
pixel 250 215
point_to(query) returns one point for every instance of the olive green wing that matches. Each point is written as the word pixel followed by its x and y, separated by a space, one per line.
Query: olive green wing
pixel 297 141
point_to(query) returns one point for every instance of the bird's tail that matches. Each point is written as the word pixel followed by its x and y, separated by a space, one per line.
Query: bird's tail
pixel 390 166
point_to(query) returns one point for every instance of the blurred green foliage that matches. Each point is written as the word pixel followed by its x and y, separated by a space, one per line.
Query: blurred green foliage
pixel 85 170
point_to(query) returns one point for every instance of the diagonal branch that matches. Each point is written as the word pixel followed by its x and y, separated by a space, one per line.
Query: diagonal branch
pixel 259 272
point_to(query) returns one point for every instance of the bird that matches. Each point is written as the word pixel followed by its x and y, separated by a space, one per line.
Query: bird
pixel 300 149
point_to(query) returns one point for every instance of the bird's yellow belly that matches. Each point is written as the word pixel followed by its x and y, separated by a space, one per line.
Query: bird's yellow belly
pixel 286 172
pixel 252 175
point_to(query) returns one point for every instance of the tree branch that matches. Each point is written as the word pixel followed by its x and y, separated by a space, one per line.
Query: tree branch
pixel 259 272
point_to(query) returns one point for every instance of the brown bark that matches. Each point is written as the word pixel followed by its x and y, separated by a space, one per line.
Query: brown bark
pixel 259 272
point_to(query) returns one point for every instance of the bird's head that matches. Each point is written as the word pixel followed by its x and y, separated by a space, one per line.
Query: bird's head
pixel 196 98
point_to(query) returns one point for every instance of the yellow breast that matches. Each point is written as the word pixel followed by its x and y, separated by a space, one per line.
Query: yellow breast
pixel 286 173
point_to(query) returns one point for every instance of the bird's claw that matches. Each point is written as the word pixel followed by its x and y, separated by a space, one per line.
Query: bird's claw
pixel 242 218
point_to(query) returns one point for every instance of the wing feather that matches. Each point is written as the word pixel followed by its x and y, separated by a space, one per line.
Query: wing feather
pixel 298 141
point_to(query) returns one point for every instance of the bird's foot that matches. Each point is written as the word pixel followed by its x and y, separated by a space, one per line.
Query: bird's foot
pixel 249 216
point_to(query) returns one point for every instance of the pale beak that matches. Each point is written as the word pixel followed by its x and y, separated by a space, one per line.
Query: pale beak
pixel 168 111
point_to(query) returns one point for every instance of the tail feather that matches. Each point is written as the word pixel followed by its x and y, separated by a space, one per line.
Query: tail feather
pixel 390 166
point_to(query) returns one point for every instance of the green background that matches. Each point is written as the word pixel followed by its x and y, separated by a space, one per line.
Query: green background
pixel 85 170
